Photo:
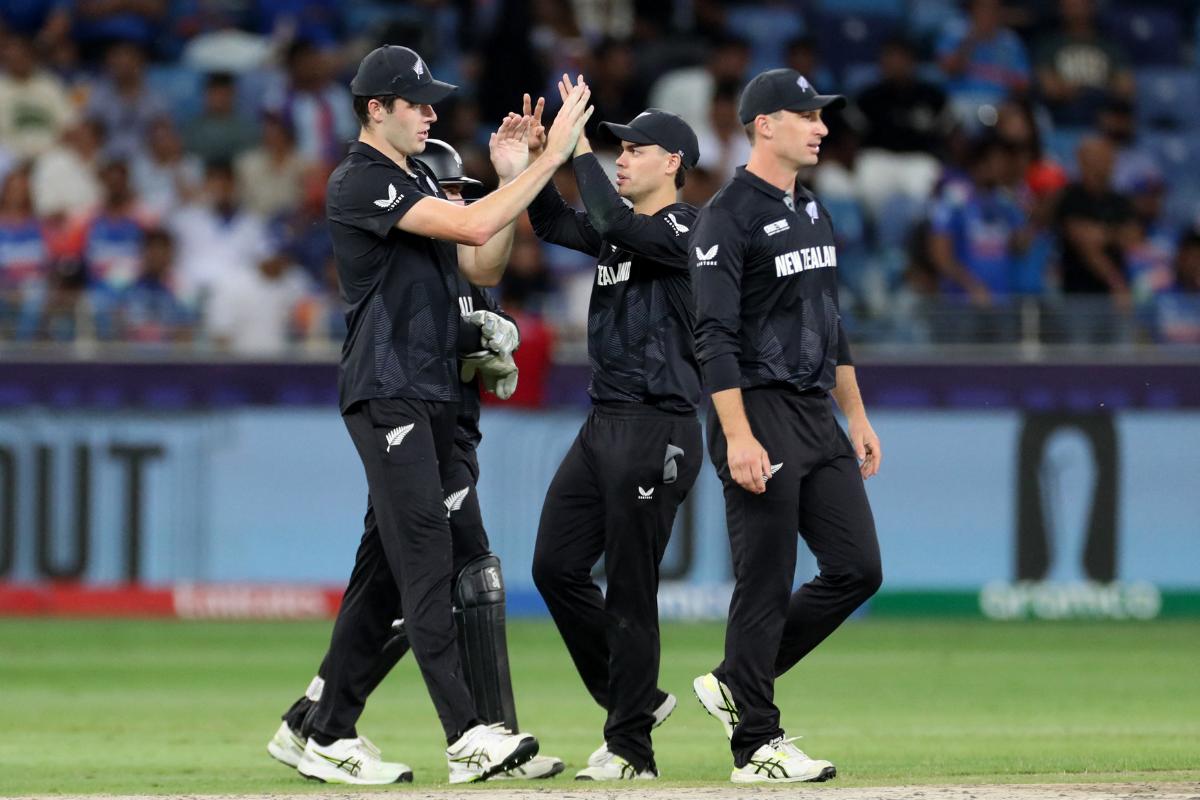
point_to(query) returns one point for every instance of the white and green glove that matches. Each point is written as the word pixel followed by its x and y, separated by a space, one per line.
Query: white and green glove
pixel 497 371
pixel 497 333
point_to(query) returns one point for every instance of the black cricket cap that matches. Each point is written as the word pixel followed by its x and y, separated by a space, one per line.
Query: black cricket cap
pixel 395 70
pixel 667 130
pixel 782 90
pixel 445 162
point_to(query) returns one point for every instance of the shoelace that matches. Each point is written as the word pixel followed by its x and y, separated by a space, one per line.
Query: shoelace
pixel 371 748
pixel 789 748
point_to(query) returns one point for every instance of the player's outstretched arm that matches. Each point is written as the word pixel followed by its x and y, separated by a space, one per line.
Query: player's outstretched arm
pixel 477 223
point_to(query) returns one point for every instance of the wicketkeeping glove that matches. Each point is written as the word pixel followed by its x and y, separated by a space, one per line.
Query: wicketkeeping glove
pixel 498 372
pixel 498 334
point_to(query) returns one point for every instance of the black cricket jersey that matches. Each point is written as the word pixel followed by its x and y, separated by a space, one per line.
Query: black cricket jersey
pixel 641 312
pixel 401 288
pixel 765 271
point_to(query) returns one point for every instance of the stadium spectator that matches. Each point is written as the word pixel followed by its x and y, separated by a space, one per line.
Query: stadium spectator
pixel 688 91
pixel 318 109
pixel 271 177
pixel 1078 69
pixel 1179 310
pixel 123 101
pixel 984 61
pixel 1096 226
pixel 149 311
pixel 66 178
pixel 251 312
pixel 975 246
pixel 616 91
pixel 317 21
pixel 35 108
pixel 1133 160
pixel 24 257
pixel 214 236
pixel 801 54
pixel 833 178
pixel 44 20
pixel 1151 250
pixel 112 239
pixel 724 145
pixel 164 175
pixel 907 120
pixel 220 133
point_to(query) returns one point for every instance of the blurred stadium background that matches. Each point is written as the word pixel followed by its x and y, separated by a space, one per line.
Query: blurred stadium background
pixel 169 328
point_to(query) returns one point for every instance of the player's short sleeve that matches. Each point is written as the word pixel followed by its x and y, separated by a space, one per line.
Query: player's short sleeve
pixel 373 198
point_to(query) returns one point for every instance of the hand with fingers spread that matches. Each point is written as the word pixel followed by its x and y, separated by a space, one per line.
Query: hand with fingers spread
pixel 509 148
pixel 568 123
pixel 564 89
pixel 537 131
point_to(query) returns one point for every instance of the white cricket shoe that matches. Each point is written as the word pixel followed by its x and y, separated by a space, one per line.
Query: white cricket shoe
pixel 533 769
pixel 780 761
pixel 611 767
pixel 717 701
pixel 286 746
pixel 487 750
pixel 354 761
pixel 660 712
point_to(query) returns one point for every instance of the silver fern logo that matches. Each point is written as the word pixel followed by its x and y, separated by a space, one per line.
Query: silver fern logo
pixel 454 500
pixel 396 435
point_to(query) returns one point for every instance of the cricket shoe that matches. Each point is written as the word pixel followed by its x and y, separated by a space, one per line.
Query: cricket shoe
pixel 717 701
pixel 488 750
pixel 660 712
pixel 286 746
pixel 780 761
pixel 534 769
pixel 613 768
pixel 354 761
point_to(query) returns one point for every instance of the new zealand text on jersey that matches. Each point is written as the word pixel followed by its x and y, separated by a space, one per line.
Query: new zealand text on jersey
pixel 607 276
pixel 805 259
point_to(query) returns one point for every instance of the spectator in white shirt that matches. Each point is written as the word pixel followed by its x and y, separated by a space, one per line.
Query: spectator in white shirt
pixel 253 312
pixel 34 106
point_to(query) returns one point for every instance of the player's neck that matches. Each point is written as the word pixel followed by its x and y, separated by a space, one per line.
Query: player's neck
pixel 657 200
pixel 379 143
pixel 773 170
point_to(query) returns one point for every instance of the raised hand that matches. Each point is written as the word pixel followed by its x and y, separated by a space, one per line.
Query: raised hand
pixel 509 148
pixel 537 131
pixel 568 124
pixel 564 89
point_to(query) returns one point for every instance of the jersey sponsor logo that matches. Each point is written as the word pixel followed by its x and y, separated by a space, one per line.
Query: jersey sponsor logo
pixel 608 276
pixel 645 494
pixel 396 435
pixel 805 259
pixel 392 200
pixel 778 226
pixel 811 210
pixel 466 305
pixel 676 225
pixel 454 500
pixel 707 258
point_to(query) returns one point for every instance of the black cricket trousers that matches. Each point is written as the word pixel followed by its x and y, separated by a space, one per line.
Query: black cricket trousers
pixel 817 491
pixel 404 562
pixel 615 494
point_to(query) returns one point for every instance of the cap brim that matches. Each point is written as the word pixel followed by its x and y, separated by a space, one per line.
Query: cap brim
pixel 433 92
pixel 818 102
pixel 627 134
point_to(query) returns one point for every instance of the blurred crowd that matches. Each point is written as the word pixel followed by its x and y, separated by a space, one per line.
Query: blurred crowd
pixel 1006 171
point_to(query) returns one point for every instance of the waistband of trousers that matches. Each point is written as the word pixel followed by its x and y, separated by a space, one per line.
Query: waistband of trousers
pixel 639 411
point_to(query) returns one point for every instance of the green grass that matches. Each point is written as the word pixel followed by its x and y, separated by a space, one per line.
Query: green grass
pixel 178 707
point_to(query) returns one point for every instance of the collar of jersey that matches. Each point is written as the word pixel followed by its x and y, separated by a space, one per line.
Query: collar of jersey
pixel 774 192
pixel 362 148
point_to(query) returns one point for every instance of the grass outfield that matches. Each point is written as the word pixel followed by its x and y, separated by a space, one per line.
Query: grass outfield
pixel 133 707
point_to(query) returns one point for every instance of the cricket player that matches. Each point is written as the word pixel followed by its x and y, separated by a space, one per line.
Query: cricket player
pixel 771 346
pixel 639 452
pixel 399 246
pixel 486 333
